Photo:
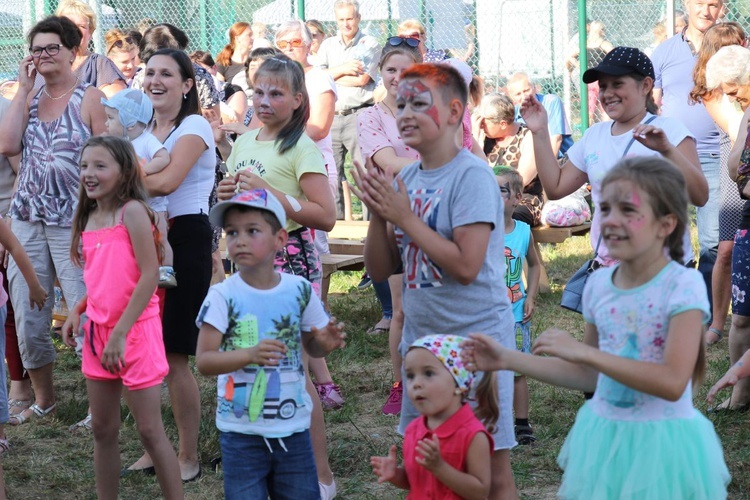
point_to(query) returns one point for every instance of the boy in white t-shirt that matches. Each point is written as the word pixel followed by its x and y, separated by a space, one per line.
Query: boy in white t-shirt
pixel 128 114
pixel 253 327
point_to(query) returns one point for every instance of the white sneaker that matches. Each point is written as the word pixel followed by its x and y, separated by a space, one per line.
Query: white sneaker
pixel 327 492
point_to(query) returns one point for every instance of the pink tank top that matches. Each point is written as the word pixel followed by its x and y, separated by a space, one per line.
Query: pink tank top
pixel 111 273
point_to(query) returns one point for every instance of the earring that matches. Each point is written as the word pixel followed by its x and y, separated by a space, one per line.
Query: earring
pixel 184 96
pixel 457 391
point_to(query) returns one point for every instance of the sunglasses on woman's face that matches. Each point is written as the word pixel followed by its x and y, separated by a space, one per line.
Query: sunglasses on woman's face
pixel 121 43
pixel 295 44
pixel 395 41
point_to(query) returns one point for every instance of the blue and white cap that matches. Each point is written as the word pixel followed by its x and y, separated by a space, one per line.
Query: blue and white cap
pixel 256 198
pixel 133 106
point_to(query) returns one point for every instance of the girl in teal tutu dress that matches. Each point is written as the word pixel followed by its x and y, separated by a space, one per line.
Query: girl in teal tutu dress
pixel 640 436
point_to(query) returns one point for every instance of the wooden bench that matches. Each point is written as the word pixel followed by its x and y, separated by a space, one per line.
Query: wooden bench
pixel 548 234
pixel 337 262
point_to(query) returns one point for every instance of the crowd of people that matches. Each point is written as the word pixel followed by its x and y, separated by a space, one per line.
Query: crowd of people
pixel 120 172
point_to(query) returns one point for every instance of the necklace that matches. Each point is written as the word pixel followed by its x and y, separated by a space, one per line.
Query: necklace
pixel 63 94
pixel 388 108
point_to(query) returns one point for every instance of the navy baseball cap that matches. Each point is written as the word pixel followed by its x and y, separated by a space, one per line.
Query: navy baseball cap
pixel 621 61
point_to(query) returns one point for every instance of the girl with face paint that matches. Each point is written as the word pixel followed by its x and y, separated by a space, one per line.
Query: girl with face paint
pixel 640 436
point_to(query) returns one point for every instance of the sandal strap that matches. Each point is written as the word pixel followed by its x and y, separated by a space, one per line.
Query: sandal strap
pixel 41 412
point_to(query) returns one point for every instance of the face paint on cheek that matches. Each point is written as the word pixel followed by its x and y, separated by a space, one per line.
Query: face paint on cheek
pixel 411 90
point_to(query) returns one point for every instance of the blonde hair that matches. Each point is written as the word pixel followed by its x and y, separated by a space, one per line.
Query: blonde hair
pixel 497 108
pixel 79 8
pixel 115 35
pixel 410 25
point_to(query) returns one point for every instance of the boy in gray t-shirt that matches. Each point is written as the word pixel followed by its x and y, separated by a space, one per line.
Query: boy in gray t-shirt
pixel 442 220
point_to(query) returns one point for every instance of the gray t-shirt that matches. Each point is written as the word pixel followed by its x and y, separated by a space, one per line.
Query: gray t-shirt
pixel 459 193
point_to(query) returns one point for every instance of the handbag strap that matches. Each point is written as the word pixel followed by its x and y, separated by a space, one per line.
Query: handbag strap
pixel 627 148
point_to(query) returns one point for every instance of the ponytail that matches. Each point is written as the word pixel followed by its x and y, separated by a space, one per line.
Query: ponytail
pixel 225 56
pixel 488 409
pixel 282 68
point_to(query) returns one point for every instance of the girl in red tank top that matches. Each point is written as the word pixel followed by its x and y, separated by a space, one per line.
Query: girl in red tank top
pixel 114 237
pixel 447 451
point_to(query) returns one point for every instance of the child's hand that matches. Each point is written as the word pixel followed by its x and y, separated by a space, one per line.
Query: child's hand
pixel 528 310
pixel 37 295
pixel 728 380
pixel 331 337
pixel 226 189
pixel 429 449
pixel 385 467
pixel 70 327
pixel 560 344
pixel 235 127
pixel 652 137
pixel 247 180
pixel 362 188
pixel 113 356
pixel 480 352
pixel 268 352
pixel 533 113
pixel 376 191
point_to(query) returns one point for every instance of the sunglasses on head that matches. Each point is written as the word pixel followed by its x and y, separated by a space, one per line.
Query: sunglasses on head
pixel 121 43
pixel 395 41
pixel 295 44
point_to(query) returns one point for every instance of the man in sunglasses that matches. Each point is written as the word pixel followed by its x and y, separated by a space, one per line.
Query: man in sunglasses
pixel 352 59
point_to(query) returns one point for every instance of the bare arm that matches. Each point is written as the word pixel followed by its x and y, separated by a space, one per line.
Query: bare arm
pixel 321 116
pixel 113 88
pixel 533 274
pixel 487 354
pixel 354 81
pixel 37 294
pixel 211 361
pixel 183 156
pixel 92 111
pixel 14 162
pixel 739 145
pixel 386 158
pixel 16 117
pixel 158 163
pixel 527 162
pixel 472 484
pixel 352 68
pixel 318 342
pixel 557 182
pixel 666 380
pixel 317 211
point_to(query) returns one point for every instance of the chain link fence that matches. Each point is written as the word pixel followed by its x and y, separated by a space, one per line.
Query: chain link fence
pixel 496 37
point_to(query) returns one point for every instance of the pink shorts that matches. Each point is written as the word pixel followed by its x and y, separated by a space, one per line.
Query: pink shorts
pixel 145 358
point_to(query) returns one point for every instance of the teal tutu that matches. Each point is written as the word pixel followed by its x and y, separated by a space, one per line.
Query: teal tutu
pixel 677 459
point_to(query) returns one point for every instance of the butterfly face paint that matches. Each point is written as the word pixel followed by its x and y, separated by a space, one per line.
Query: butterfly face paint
pixel 419 97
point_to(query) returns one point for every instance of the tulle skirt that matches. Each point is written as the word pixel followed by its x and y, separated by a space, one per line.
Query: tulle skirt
pixel 677 459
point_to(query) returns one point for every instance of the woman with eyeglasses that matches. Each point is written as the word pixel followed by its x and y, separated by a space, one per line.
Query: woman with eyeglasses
pixel 48 125
pixel 122 50
pixel 91 67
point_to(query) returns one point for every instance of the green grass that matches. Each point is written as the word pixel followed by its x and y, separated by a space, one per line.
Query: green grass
pixel 46 461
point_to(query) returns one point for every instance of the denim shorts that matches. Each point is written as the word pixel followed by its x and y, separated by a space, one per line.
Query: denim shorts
pixel 256 468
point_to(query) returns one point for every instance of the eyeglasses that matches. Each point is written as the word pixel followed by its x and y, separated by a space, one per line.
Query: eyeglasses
pixel 52 49
pixel 128 40
pixel 395 41
pixel 295 44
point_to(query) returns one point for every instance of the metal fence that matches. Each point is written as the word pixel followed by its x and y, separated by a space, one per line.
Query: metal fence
pixel 497 37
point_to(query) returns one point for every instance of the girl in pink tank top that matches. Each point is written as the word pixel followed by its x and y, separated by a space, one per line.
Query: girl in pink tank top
pixel 114 237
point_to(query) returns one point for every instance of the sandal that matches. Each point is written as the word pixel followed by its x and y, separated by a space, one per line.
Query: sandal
pixel 84 424
pixel 36 412
pixel 4 446
pixel 21 404
pixel 719 335
pixel 524 434
pixel 379 328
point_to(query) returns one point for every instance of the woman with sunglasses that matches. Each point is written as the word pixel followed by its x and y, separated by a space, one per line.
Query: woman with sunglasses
pixel 91 67
pixel 411 28
pixel 379 140
pixel 122 50
pixel 48 125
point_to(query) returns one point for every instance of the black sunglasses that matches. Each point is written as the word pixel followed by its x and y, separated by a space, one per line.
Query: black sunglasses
pixel 395 41
pixel 121 43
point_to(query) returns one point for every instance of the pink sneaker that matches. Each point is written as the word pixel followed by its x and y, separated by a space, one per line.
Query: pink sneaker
pixel 393 405
pixel 330 396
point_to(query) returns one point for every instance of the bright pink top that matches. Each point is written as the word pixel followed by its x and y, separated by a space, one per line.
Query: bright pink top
pixel 455 435
pixel 468 138
pixel 110 273
pixel 377 130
